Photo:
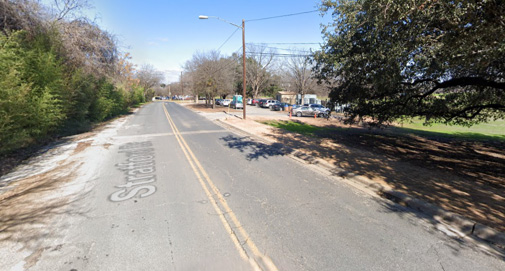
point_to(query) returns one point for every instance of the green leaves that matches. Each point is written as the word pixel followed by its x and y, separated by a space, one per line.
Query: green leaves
pixel 38 98
pixel 30 83
pixel 392 59
pixel 57 77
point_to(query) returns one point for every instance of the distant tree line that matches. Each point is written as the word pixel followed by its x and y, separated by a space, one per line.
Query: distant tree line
pixel 59 73
pixel 210 74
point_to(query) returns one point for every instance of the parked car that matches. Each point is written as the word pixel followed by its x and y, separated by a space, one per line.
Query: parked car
pixel 260 102
pixel 218 101
pixel 268 103
pixel 255 102
pixel 307 111
pixel 236 105
pixel 272 103
pixel 279 106
pixel 225 102
pixel 319 107
pixel 250 101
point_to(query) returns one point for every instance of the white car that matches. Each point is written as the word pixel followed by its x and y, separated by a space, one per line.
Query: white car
pixel 236 105
pixel 226 102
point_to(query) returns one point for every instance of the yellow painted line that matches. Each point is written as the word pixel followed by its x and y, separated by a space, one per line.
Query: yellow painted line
pixel 243 254
pixel 172 134
pixel 258 256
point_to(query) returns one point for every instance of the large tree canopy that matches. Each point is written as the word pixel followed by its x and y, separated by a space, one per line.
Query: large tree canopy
pixel 439 60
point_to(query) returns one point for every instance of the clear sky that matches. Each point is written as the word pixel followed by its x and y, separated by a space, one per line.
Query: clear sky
pixel 167 33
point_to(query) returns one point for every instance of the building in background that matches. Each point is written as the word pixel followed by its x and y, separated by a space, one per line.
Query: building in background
pixel 286 97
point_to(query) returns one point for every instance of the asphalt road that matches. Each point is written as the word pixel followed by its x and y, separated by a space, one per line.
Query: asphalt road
pixel 175 191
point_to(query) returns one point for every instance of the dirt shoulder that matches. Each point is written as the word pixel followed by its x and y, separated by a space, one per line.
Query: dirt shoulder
pixel 464 177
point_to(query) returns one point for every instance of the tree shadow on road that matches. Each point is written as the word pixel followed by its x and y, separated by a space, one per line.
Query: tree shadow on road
pixel 254 149
pixel 463 176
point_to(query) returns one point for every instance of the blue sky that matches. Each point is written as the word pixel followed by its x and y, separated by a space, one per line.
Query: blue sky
pixel 166 34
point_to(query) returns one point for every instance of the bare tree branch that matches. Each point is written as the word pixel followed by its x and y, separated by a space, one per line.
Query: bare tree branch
pixel 149 77
pixel 258 66
pixel 64 8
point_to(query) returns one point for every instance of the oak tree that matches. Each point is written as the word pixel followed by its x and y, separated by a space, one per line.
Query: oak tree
pixel 440 60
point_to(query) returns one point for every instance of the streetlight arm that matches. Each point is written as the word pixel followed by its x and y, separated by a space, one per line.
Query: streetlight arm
pixel 204 17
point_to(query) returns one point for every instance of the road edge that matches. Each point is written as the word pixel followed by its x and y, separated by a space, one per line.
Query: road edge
pixel 458 224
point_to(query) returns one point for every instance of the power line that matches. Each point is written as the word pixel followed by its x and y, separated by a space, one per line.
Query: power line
pixel 295 49
pixel 228 38
pixel 280 16
pixel 227 65
pixel 279 55
pixel 289 49
pixel 287 43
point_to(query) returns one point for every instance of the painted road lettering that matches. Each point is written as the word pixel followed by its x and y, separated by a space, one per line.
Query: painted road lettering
pixel 139 170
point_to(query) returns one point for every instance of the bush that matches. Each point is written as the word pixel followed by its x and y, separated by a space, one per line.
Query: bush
pixel 30 88
pixel 136 97
pixel 110 102
pixel 42 97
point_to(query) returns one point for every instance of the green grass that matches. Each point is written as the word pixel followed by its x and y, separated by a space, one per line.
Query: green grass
pixel 494 130
pixel 296 127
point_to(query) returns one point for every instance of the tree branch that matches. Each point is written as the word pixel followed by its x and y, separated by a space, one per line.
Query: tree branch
pixel 478 108
pixel 461 81
pixel 471 81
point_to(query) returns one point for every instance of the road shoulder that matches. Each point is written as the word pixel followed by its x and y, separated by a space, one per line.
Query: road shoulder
pixel 451 223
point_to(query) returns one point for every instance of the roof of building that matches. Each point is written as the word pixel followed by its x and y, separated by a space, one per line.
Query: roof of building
pixel 287 93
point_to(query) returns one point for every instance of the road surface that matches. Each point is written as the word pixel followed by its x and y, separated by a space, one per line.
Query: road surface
pixel 167 189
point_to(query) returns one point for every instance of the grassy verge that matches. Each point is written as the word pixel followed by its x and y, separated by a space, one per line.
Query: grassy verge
pixel 494 130
pixel 296 127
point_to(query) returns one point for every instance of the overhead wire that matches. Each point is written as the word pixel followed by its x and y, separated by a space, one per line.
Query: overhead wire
pixel 279 55
pixel 279 43
pixel 280 16
pixel 273 17
pixel 227 65
pixel 285 43
pixel 288 49
pixel 228 39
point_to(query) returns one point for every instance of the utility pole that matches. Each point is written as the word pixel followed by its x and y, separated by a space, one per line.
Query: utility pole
pixel 244 101
pixel 182 86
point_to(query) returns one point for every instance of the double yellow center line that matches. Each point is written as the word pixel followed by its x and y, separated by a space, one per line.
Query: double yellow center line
pixel 243 243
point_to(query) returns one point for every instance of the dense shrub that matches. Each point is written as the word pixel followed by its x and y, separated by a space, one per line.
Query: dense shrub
pixel 58 76
pixel 136 97
pixel 30 88
pixel 41 98
pixel 109 102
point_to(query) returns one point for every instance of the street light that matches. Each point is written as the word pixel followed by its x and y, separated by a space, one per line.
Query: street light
pixel 203 17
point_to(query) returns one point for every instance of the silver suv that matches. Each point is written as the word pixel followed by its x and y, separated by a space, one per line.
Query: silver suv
pixel 319 107
pixel 269 103
pixel 307 111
